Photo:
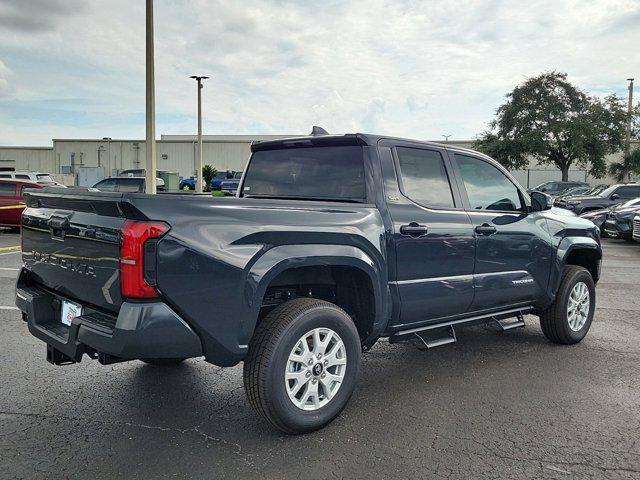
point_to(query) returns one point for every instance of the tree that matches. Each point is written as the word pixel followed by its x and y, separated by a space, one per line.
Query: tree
pixel 548 119
pixel 630 164
pixel 208 174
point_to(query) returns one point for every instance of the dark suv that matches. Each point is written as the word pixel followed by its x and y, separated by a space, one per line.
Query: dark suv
pixel 558 188
pixel 608 197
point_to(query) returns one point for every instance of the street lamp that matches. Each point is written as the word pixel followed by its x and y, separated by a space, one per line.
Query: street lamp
pixel 199 178
pixel 627 146
pixel 446 137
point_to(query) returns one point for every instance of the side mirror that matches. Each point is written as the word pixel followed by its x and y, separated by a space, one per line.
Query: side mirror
pixel 615 196
pixel 540 201
pixel 543 189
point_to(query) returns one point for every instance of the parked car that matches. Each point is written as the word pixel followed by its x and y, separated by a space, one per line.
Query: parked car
pixel 598 217
pixel 332 243
pixel 610 196
pixel 619 221
pixel 126 184
pixel 36 177
pixel 582 190
pixel 636 227
pixel 11 202
pixel 190 183
pixel 230 186
pixel 557 188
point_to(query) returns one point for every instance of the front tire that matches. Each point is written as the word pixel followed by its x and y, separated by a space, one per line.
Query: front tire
pixel 302 365
pixel 569 317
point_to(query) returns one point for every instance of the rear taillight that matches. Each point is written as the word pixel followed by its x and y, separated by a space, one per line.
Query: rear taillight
pixel 138 258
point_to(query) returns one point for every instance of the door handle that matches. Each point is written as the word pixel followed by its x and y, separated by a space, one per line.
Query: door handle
pixel 413 230
pixel 485 229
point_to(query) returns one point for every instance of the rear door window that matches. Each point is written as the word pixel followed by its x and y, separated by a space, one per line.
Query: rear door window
pixel 7 190
pixel 130 185
pixel 309 173
pixel 424 177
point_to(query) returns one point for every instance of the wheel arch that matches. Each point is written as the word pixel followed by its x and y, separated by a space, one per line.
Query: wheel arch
pixel 295 258
pixel 584 252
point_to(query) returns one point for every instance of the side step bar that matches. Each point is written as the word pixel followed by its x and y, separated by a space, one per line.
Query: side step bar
pixel 504 326
pixel 424 343
pixel 419 334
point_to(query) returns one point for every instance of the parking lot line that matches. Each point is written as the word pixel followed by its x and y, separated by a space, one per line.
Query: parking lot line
pixel 14 247
pixel 9 253
pixel 5 307
pixel 11 269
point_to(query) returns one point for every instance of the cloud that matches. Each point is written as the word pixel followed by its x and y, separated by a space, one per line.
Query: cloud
pixel 36 15
pixel 403 67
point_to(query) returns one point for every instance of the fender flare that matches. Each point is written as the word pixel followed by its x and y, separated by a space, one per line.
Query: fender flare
pixel 278 259
pixel 565 248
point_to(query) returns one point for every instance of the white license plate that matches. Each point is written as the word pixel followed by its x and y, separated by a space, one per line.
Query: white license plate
pixel 70 311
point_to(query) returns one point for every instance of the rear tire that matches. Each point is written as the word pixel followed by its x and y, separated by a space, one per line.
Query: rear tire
pixel 569 317
pixel 302 365
pixel 163 362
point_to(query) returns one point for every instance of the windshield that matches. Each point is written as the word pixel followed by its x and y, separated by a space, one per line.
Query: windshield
pixel 314 173
pixel 44 177
pixel 607 191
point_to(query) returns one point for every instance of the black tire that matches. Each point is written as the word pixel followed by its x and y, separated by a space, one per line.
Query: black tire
pixel 163 362
pixel 554 320
pixel 269 350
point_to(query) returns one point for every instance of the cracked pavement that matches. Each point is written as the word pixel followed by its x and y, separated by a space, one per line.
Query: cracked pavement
pixel 493 405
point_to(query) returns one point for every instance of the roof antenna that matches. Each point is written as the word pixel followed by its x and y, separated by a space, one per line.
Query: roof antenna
pixel 318 131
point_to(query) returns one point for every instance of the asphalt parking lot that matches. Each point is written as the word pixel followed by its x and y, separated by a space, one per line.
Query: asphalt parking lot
pixel 494 405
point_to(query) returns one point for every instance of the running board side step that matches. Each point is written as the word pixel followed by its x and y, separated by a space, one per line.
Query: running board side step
pixel 420 340
pixel 419 334
pixel 504 326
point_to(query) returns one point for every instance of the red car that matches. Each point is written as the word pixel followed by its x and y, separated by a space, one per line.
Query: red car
pixel 11 203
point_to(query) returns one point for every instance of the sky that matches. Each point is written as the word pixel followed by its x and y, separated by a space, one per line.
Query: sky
pixel 417 69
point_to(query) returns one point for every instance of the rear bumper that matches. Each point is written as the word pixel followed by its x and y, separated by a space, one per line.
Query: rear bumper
pixel 141 330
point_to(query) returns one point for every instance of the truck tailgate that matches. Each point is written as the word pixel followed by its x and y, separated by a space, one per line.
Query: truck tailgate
pixel 72 245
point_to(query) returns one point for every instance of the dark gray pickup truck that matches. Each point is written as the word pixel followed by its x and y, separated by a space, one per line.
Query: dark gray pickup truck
pixel 331 243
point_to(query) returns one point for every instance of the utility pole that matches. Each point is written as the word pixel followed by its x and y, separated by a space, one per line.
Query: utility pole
pixel 627 146
pixel 199 177
pixel 150 150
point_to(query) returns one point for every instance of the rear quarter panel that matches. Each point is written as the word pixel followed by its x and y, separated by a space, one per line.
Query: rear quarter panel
pixel 206 262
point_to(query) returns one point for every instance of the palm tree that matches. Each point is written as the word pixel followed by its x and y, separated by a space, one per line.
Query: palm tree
pixel 622 171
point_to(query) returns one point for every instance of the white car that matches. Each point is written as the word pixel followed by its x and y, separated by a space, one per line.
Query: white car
pixel 38 177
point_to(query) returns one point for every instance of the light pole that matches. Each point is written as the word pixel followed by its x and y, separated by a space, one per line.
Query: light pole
pixel 627 146
pixel 150 150
pixel 199 177
pixel 446 137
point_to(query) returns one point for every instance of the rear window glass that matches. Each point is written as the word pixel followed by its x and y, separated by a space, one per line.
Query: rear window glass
pixel 322 173
pixel 43 177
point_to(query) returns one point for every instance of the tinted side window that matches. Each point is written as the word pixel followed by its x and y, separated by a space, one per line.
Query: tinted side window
pixel 487 187
pixel 130 185
pixel 108 185
pixel 23 177
pixel 5 175
pixel 628 192
pixel 7 190
pixel 424 177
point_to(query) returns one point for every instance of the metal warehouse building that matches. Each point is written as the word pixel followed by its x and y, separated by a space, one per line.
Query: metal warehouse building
pixel 85 161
